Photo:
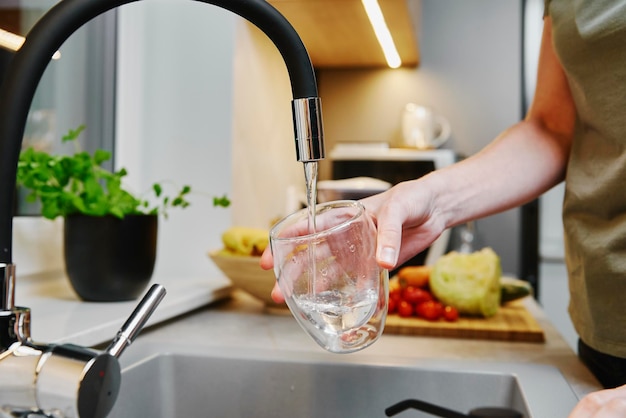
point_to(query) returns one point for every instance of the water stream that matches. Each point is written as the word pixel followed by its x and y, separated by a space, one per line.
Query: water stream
pixel 310 177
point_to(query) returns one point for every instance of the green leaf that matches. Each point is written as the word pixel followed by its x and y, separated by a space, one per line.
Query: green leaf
pixel 73 134
pixel 157 189
pixel 101 156
pixel 117 212
pixel 221 201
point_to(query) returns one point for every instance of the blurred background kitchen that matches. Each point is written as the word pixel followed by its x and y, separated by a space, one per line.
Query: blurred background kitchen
pixel 193 94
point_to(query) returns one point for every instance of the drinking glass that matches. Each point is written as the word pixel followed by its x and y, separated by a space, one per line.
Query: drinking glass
pixel 328 274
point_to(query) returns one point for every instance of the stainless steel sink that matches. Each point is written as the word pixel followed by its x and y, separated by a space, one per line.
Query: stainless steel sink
pixel 221 383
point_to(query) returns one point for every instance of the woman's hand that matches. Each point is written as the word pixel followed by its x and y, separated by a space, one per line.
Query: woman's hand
pixel 267 263
pixel 406 219
pixel 608 403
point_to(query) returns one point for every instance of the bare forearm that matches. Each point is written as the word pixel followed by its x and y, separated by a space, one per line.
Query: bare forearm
pixel 522 163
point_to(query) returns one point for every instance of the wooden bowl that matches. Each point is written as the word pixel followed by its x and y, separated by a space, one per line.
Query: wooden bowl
pixel 247 275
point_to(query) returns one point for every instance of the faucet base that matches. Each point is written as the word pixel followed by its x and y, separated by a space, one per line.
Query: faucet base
pixel 14 326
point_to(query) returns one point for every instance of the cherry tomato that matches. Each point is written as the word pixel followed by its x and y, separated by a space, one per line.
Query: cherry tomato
pixel 415 295
pixel 450 313
pixel 405 309
pixel 395 294
pixel 439 308
pixel 392 306
pixel 419 310
pixel 430 310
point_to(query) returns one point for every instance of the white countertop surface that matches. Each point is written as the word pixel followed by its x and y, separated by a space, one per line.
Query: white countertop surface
pixel 59 316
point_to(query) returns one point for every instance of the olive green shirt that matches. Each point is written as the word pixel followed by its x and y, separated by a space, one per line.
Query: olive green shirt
pixel 589 37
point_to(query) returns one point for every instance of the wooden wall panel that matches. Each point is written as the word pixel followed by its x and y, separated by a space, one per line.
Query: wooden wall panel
pixel 337 33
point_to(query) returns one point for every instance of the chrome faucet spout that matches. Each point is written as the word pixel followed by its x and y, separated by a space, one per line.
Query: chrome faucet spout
pixel 56 26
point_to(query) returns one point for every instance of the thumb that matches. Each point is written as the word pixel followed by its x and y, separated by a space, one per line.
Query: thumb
pixel 389 238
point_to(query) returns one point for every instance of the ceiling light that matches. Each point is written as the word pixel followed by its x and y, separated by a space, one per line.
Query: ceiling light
pixel 377 20
pixel 13 42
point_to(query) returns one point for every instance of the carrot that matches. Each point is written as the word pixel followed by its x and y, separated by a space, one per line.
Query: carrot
pixel 418 276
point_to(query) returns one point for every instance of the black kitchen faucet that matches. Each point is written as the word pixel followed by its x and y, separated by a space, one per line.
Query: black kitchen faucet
pixel 16 95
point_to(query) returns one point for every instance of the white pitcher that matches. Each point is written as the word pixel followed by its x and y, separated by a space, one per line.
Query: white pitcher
pixel 422 128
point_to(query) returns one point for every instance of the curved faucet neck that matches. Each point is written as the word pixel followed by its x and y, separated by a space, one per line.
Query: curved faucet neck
pixel 47 36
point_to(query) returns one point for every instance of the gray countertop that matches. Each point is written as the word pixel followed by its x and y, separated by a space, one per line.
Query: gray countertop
pixel 243 322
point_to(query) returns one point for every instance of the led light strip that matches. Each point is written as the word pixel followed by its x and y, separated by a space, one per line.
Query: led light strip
pixel 377 20
pixel 13 42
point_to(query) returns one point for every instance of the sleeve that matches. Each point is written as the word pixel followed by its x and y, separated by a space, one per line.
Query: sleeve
pixel 546 8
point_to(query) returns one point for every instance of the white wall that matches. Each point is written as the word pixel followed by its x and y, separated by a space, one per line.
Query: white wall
pixel 174 118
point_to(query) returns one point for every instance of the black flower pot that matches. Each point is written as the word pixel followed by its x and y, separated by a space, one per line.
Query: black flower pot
pixel 110 259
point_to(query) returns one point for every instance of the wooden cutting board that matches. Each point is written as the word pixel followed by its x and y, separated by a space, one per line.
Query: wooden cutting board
pixel 513 322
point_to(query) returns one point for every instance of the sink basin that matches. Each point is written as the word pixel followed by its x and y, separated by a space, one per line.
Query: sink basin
pixel 216 382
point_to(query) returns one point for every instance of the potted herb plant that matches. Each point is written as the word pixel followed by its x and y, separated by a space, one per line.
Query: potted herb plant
pixel 110 235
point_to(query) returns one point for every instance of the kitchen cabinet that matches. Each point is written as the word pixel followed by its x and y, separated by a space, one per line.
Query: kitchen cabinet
pixel 338 34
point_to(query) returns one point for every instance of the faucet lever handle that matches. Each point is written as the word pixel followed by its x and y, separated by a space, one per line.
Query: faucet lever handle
pixel 136 321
